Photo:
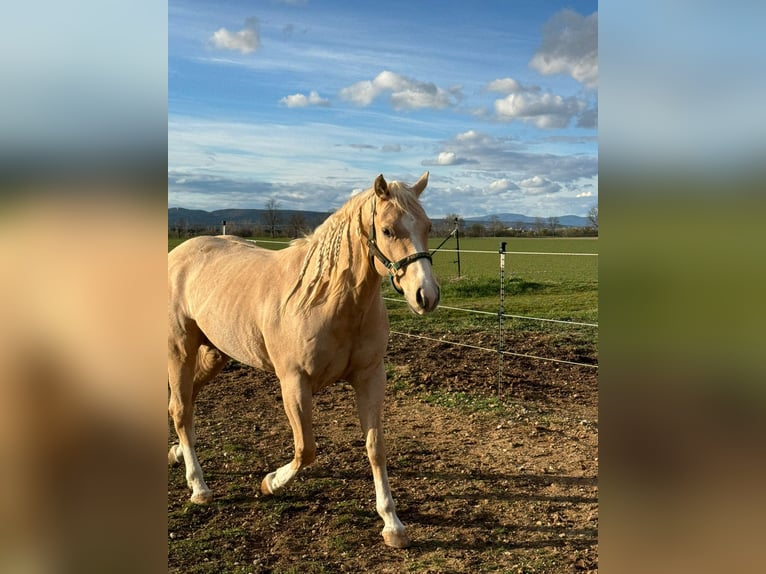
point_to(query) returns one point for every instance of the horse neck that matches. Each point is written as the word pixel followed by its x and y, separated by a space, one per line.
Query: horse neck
pixel 336 264
pixel 363 279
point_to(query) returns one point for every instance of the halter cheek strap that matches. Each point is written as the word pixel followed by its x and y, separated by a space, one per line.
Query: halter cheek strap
pixel 391 266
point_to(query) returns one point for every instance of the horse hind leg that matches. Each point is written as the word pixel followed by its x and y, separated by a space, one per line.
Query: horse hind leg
pixel 298 402
pixel 210 361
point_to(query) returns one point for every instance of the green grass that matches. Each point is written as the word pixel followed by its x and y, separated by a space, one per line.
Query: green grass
pixel 541 270
pixel 550 286
pixel 174 242
pixel 467 403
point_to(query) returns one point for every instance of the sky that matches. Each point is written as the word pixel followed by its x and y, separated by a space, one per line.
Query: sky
pixel 307 101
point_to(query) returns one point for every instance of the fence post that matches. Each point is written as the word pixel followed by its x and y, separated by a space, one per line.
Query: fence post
pixel 500 313
pixel 457 241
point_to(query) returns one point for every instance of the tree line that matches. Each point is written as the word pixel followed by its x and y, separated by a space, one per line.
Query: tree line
pixel 494 227
pixel 274 224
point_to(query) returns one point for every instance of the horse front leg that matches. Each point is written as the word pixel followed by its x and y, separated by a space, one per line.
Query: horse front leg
pixel 370 392
pixel 298 402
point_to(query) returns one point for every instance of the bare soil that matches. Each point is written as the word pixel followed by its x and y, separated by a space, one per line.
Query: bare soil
pixel 487 477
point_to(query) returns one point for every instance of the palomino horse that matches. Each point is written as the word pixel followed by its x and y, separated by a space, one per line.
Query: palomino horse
pixel 311 313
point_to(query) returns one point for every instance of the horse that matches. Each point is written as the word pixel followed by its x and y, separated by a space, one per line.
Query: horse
pixel 312 313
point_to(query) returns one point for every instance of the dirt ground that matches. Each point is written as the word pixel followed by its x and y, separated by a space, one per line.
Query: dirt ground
pixel 486 477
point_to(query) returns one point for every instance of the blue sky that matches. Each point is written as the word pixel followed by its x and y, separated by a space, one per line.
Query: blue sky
pixel 307 101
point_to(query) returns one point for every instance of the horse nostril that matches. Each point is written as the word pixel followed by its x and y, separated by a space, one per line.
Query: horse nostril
pixel 421 299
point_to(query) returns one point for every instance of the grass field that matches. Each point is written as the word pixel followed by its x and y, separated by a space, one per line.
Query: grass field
pixel 550 286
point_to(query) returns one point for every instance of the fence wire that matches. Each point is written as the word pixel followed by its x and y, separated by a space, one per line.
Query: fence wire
pixel 511 353
pixel 501 314
pixel 518 252
pixel 495 314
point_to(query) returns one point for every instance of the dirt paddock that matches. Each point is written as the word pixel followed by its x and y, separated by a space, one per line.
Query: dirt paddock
pixel 486 479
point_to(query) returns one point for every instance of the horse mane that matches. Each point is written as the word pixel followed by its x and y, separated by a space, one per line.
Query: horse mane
pixel 329 268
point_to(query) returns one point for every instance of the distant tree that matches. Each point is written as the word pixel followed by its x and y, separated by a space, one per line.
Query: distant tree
pixel 444 227
pixel 476 230
pixel 181 228
pixel 539 225
pixel 240 229
pixel 496 227
pixel 297 224
pixel 272 215
pixel 553 223
pixel 593 216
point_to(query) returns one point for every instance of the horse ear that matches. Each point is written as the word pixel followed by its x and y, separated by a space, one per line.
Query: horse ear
pixel 421 184
pixel 381 187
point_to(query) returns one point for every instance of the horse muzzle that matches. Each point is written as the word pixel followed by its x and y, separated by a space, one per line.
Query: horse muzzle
pixel 426 298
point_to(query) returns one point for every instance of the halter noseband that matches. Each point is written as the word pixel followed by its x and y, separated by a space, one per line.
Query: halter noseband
pixel 391 266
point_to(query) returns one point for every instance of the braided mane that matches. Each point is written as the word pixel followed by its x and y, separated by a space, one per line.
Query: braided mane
pixel 330 268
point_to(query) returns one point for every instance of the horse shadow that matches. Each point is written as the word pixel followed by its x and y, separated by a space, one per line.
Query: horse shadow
pixel 474 521
pixel 459 508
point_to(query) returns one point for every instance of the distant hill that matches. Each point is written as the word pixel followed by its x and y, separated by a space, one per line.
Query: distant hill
pixel 179 216
pixel 512 219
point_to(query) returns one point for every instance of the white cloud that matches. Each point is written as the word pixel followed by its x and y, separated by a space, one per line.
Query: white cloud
pixel 406 93
pixel 468 136
pixel 246 40
pixel 537 185
pixel 585 194
pixel 361 93
pixel 503 184
pixel 302 101
pixel 531 104
pixel 446 158
pixel 506 85
pixel 504 156
pixel 543 110
pixel 569 46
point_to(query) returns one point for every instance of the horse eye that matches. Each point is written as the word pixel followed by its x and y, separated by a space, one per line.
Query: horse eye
pixel 387 232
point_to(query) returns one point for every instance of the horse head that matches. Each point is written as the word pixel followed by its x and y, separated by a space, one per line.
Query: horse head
pixel 398 242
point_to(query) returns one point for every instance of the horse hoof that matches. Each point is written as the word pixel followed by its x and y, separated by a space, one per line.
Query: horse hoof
pixel 265 486
pixel 395 539
pixel 203 497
